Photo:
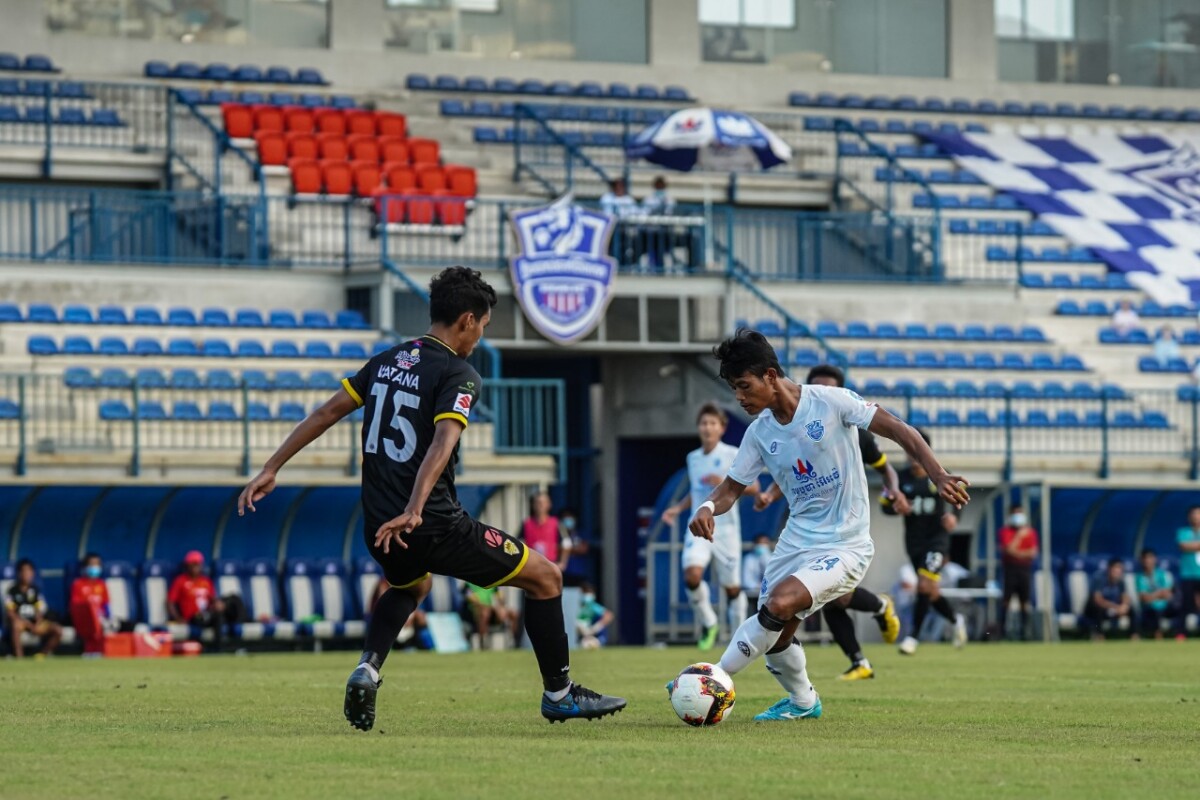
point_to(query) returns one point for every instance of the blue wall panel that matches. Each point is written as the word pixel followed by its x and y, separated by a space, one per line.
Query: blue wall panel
pixel 50 535
pixel 319 527
pixel 11 498
pixel 1068 511
pixel 1116 525
pixel 190 521
pixel 1169 517
pixel 256 535
pixel 121 526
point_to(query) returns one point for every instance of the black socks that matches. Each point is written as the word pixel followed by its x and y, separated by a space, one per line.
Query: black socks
pixel 548 636
pixel 387 618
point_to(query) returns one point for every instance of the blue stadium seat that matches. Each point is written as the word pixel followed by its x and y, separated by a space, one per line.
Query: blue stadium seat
pixel 966 389
pixel 221 411
pixel 217 348
pixel 1024 390
pixel 1037 418
pixel 289 379
pixel 282 98
pixel 250 348
pixel 310 100
pixel 41 346
pixel 320 379
pixel 256 379
pixel 146 315
pixel 858 330
pixel 114 378
pixel 111 315
pixel 310 76
pixel 219 379
pixel 214 318
pixel 248 318
pixel 186 410
pixel 290 412
pixel 9 409
pixel 1042 361
pixel 181 316
pixel 1014 361
pixel 182 347
pixel 1054 389
pixel 115 411
pixel 916 330
pixel 974 333
pixel 218 97
pixel 187 70
pixel 278 74
pixel 945 331
pixel 185 379
pixel 318 350
pixel 79 378
pixel 1188 394
pixel 875 388
pixel 41 312
pixel 150 378
pixel 251 98
pixel 936 389
pixel 258 412
pixel 156 69
pixel 947 417
pixel 1067 418
pixel 1154 419
pixel 983 361
pixel 112 346
pixel 352 350
pixel 218 72
pixel 70 116
pixel 281 318
pixel 77 346
pixel 314 318
pixel 284 349
pixel 38 63
pixel 1003 333
pixel 919 418
pixel 865 358
pixel 827 329
pixel 1072 363
pixel 895 358
pixel 887 330
pixel 151 410
pixel 475 83
pixel 924 359
pixel 106 117
pixel 146 347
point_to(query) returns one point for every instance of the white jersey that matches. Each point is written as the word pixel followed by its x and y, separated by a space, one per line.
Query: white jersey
pixel 699 466
pixel 817 463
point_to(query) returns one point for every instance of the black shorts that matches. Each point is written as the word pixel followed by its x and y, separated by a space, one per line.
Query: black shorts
pixel 929 557
pixel 469 551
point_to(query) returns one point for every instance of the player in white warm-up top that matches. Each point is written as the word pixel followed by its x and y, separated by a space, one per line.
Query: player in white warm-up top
pixel 707 466
pixel 806 438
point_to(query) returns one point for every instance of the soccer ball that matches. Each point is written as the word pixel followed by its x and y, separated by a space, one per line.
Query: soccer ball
pixel 702 695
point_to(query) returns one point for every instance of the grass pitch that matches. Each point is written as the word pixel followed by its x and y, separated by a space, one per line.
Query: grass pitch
pixel 1080 720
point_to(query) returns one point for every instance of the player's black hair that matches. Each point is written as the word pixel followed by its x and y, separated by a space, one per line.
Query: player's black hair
pixel 1114 562
pixel 745 352
pixel 1015 507
pixel 24 562
pixel 1192 508
pixel 826 371
pixel 534 495
pixel 585 585
pixel 924 435
pixel 457 290
pixel 712 409
pixel 89 557
pixel 1146 551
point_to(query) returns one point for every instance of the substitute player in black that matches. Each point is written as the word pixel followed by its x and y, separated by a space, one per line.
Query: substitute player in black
pixel 418 398
pixel 927 526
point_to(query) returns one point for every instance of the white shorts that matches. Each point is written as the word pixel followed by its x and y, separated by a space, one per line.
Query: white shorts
pixel 725 549
pixel 828 572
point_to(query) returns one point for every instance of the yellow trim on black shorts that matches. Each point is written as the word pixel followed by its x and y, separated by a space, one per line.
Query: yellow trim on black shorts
pixel 411 584
pixel 350 391
pixel 454 415
pixel 520 566
pixel 933 576
pixel 882 460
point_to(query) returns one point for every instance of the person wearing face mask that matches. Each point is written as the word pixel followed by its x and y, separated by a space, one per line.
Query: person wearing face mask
pixel 89 605
pixel 593 619
pixel 754 564
pixel 1018 551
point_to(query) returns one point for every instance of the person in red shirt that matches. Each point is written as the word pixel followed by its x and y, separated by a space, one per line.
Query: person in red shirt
pixel 1018 551
pixel 543 533
pixel 89 605
pixel 193 598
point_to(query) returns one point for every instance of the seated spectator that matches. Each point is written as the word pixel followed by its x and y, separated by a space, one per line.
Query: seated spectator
pixel 415 632
pixel 193 600
pixel 1108 602
pixel 1166 346
pixel 27 613
pixel 754 564
pixel 658 202
pixel 1188 538
pixel 1156 591
pixel 593 620
pixel 90 613
pixel 618 202
pixel 1125 319
pixel 485 606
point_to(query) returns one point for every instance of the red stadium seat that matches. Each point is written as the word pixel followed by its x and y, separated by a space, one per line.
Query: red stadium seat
pixel 268 118
pixel 332 146
pixel 389 207
pixel 337 177
pixel 306 176
pixel 330 120
pixel 393 150
pixel 452 212
pixel 302 145
pixel 462 181
pixel 362 122
pixel 420 210
pixel 430 178
pixel 299 120
pixel 367 177
pixel 423 151
pixel 363 148
pixel 400 177
pixel 239 121
pixel 272 148
pixel 391 124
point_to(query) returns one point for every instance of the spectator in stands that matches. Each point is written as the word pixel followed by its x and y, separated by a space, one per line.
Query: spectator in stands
pixel 543 533
pixel 618 202
pixel 754 564
pixel 1166 346
pixel 1108 602
pixel 1125 319
pixel 1188 538
pixel 193 600
pixel 1018 552
pixel 656 239
pixel 658 202
pixel 27 613
pixel 579 560
pixel 415 632
pixel 593 619
pixel 90 611
pixel 1156 591
pixel 485 606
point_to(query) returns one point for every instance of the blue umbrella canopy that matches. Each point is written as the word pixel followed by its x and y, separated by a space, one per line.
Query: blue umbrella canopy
pixel 709 138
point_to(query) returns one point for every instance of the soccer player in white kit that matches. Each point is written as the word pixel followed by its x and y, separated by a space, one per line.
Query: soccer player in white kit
pixel 805 437
pixel 707 466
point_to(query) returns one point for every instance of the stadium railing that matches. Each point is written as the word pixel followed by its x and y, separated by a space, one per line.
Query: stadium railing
pixel 517 416
pixel 537 145
pixel 197 145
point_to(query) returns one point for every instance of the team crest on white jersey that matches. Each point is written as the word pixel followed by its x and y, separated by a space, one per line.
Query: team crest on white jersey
pixel 815 430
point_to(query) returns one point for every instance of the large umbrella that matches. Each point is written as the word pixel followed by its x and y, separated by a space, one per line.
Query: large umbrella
pixel 711 139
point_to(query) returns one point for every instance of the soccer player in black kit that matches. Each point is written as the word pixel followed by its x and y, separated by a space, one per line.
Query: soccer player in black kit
pixel 927 527
pixel 418 397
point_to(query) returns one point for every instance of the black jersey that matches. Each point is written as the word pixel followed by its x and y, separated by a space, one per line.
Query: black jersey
pixel 26 603
pixel 923 526
pixel 405 392
pixel 871 455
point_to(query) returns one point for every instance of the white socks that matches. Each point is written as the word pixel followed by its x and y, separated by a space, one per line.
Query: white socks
pixel 749 641
pixel 788 667
pixel 374 673
pixel 702 605
pixel 554 697
pixel 737 609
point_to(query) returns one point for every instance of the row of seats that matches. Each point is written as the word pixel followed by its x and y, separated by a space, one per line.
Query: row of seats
pixel 896 126
pixel 210 348
pixel 1071 579
pixel 246 73
pixel 565 112
pixel 486 135
pixel 66 115
pixel 243 121
pixel 615 90
pixel 978 202
pixel 1114 281
pixel 452 184
pixel 1142 336
pixel 1036 418
pixel 1001 227
pixel 10 62
pixel 73 90
pixel 1099 308
pixel 9 409
pixel 1151 364
pixel 945 331
pixel 183 317
pixel 937 176
pixel 1046 255
pixel 924 359
pixel 215 379
pixel 852 149
pixel 276 148
pixel 248 97
pixel 402 209
pixel 218 411
pixel 1014 108
pixel 1024 390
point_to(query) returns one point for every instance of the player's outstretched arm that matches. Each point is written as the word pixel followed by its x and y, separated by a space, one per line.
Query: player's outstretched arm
pixel 952 488
pixel 719 501
pixel 305 433
pixel 445 438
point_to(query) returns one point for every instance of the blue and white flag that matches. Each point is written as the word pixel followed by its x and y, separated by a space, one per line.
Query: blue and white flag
pixel 710 138
pixel 1133 199
pixel 563 274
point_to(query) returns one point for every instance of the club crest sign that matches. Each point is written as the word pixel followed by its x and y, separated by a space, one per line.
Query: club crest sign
pixel 563 275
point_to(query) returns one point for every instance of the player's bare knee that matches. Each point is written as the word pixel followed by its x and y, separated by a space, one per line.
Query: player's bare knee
pixel 421 590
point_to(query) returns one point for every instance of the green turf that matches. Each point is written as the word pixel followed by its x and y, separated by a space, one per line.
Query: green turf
pixel 1072 720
